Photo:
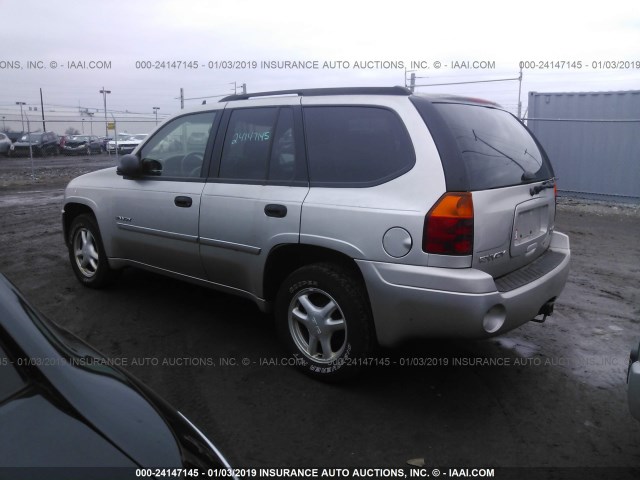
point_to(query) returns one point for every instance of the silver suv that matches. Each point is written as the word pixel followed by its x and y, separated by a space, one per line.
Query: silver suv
pixel 361 216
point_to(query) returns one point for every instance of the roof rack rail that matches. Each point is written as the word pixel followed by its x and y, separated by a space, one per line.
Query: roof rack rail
pixel 314 92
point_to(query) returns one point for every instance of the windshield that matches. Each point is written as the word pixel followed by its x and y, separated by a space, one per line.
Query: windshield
pixel 80 138
pixel 497 150
pixel 141 136
pixel 34 137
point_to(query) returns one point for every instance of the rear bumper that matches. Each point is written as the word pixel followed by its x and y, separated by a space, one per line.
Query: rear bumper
pixel 411 301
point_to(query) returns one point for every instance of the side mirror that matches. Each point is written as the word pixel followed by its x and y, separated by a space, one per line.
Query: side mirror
pixel 129 165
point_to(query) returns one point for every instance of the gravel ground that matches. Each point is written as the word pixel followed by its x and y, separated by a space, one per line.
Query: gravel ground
pixel 559 400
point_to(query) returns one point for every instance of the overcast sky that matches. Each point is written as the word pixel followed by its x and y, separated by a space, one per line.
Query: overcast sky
pixel 122 33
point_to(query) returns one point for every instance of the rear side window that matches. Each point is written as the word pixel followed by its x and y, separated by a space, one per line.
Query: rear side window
pixel 356 146
pixel 496 149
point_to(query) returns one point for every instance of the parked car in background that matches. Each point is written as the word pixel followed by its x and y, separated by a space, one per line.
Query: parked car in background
pixel 64 405
pixel 360 216
pixel 129 145
pixel 46 143
pixel 5 143
pixel 126 144
pixel 14 136
pixel 633 380
pixel 112 142
pixel 82 145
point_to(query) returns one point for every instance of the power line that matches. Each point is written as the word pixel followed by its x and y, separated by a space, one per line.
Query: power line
pixel 469 82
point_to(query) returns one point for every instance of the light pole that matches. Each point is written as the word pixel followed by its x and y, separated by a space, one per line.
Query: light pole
pixel 83 126
pixel 91 120
pixel 104 97
pixel 4 126
pixel 155 110
pixel 21 115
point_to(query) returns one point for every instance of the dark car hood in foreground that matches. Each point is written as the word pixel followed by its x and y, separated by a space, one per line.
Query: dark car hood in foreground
pixel 78 410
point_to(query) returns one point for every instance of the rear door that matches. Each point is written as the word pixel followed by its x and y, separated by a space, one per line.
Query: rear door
pixel 253 198
pixel 512 184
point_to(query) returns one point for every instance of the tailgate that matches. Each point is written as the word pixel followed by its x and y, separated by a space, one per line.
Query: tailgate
pixel 512 227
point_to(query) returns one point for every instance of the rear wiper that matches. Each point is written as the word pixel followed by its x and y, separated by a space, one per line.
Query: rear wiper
pixel 544 185
pixel 478 139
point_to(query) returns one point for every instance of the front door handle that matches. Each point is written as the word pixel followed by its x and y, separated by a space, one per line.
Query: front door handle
pixel 275 210
pixel 184 202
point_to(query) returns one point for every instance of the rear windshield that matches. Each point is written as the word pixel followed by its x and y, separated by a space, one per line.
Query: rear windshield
pixel 497 150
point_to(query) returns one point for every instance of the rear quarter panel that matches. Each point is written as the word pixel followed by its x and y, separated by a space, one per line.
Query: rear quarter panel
pixel 354 220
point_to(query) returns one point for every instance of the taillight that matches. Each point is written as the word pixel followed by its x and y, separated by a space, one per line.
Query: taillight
pixel 448 227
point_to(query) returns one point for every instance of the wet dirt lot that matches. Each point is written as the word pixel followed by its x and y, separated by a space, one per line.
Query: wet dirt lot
pixel 545 395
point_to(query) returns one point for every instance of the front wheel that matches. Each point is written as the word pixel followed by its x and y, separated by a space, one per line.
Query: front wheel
pixel 86 253
pixel 324 320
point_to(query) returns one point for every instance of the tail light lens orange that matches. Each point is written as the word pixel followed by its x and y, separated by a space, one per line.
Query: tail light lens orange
pixel 448 227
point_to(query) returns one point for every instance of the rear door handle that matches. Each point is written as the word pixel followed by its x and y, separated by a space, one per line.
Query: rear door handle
pixel 275 210
pixel 184 202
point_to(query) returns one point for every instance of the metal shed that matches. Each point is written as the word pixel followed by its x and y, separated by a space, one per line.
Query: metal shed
pixel 592 139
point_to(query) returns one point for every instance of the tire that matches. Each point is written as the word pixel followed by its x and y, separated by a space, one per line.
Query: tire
pixel 87 255
pixel 344 334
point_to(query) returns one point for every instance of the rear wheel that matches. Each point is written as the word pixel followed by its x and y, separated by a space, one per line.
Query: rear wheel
pixel 86 253
pixel 324 320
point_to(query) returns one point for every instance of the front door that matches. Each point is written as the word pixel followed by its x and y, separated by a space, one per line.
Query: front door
pixel 157 213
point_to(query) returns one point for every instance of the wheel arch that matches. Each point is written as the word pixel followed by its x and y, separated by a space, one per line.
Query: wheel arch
pixel 70 212
pixel 284 259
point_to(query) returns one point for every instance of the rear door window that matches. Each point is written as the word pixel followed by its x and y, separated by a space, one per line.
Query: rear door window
pixel 355 146
pixel 247 145
pixel 496 149
pixel 261 146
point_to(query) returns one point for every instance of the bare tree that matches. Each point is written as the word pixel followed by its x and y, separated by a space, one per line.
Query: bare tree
pixel 72 131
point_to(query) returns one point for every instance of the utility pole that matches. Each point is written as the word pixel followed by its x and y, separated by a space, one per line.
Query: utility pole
pixel 104 97
pixel 21 114
pixel 412 81
pixel 155 110
pixel 181 98
pixel 44 127
pixel 244 88
pixel 519 93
